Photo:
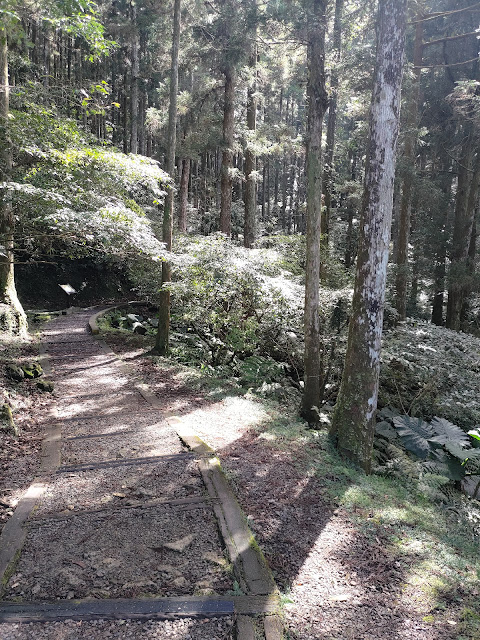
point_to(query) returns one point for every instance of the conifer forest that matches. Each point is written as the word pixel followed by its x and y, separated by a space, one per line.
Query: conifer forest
pixel 269 210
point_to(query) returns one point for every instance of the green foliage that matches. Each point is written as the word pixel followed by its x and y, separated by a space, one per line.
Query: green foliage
pixel 445 450
pixel 414 433
pixel 475 433
pixel 223 297
pixel 255 370
pixel 73 199
pixel 415 380
pixel 291 250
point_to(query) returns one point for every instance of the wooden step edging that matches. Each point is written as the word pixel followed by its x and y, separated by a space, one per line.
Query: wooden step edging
pixel 251 569
pixel 138 609
pixel 14 532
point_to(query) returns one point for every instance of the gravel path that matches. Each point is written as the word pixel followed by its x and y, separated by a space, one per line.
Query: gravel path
pixel 81 540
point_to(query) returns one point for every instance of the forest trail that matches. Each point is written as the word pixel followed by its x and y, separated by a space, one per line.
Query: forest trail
pixel 121 535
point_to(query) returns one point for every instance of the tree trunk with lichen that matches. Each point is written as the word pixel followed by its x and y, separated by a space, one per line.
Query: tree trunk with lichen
pixel 12 315
pixel 353 422
pixel 317 104
pixel 251 160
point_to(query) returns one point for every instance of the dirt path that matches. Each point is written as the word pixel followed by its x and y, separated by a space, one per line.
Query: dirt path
pixel 124 526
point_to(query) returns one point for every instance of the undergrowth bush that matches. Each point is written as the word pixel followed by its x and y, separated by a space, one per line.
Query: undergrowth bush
pixel 74 198
pixel 227 302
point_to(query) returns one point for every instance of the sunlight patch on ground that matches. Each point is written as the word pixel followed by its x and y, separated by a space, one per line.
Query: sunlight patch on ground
pixel 323 577
pixel 221 423
pixel 267 436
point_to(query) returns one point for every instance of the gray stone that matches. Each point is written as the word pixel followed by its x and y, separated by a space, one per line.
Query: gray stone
pixel 14 372
pixel 133 318
pixel 139 328
pixel 169 570
pixel 180 582
pixel 214 557
pixel 7 422
pixel 32 370
pixel 45 385
pixel 180 545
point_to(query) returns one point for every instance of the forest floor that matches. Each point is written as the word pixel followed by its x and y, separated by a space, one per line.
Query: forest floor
pixel 354 557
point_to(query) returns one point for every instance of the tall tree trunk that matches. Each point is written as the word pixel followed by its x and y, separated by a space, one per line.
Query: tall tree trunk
pixel 353 422
pixel 135 49
pixel 351 211
pixel 404 222
pixel 227 155
pixel 329 171
pixel 250 159
pixel 264 190
pixel 125 113
pixel 441 241
pixel 163 333
pixel 284 192
pixel 12 316
pixel 317 103
pixel 183 195
pixel 472 252
pixel 269 205
pixel 465 206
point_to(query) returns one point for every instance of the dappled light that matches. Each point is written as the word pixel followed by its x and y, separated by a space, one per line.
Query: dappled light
pixel 258 417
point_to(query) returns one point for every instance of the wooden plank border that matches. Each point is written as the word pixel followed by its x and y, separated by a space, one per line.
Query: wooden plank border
pixel 139 609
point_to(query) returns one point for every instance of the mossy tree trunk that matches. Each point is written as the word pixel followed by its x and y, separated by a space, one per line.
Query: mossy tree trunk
pixel 317 104
pixel 12 315
pixel 353 422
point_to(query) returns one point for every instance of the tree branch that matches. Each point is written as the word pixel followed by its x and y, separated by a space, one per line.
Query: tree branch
pixel 450 38
pixel 441 14
pixel 444 66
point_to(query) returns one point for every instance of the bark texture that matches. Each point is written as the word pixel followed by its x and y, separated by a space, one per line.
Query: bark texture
pixel 329 170
pixel 227 155
pixel 404 223
pixel 183 195
pixel 134 99
pixel 317 104
pixel 441 247
pixel 354 416
pixel 12 316
pixel 251 161
pixel 465 207
pixel 163 333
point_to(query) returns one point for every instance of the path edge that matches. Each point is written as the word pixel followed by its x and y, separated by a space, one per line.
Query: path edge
pixel 251 567
pixel 14 533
